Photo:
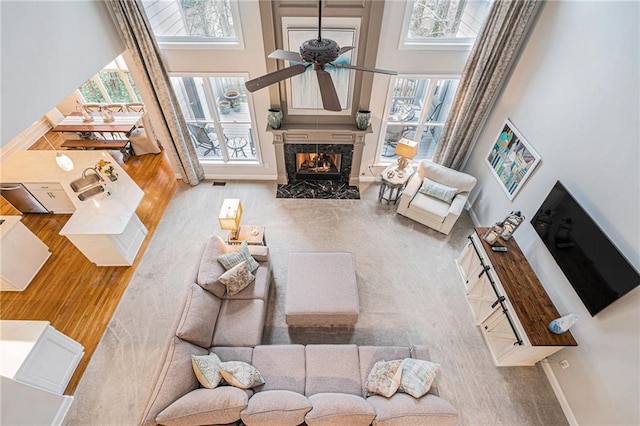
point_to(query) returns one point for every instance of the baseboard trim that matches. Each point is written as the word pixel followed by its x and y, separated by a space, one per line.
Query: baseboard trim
pixel 555 385
pixel 474 218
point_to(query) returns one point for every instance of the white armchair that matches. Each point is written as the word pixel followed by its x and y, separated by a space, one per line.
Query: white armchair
pixel 429 210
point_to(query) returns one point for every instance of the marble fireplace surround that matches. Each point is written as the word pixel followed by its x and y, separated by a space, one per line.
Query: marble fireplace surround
pixel 329 137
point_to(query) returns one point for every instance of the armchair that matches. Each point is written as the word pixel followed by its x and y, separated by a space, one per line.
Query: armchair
pixel 431 211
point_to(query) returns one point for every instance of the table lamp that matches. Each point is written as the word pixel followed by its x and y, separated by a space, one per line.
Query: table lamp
pixel 230 215
pixel 406 149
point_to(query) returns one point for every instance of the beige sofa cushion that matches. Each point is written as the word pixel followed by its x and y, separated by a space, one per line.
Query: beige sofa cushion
pixel 282 366
pixel 446 176
pixel 175 380
pixel 276 407
pixel 332 368
pixel 210 269
pixel 431 208
pixel 230 353
pixel 240 323
pixel 404 410
pixel 199 317
pixel 339 409
pixel 221 405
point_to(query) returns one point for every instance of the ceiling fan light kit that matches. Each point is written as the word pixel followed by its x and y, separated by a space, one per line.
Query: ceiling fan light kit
pixel 319 53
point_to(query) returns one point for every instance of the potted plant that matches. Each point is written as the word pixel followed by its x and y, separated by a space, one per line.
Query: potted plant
pixel 233 96
pixel 225 107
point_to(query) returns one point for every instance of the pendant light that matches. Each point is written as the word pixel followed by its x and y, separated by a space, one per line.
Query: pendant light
pixel 64 162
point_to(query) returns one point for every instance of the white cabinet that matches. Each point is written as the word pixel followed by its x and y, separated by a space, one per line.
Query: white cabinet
pixel 52 196
pixel 35 353
pixel 112 249
pixel 509 304
pixel 22 254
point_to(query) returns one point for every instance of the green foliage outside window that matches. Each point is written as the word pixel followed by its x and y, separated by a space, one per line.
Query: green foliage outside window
pixel 91 93
pixel 115 87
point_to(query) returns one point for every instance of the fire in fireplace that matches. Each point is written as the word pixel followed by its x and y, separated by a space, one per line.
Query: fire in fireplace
pixel 314 162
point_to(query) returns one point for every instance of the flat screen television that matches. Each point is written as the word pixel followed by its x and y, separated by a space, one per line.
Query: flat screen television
pixel 596 269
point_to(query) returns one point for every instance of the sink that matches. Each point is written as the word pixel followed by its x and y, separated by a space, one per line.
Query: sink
pixel 95 190
pixel 83 183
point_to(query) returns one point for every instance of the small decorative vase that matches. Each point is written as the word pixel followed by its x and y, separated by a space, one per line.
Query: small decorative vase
pixel 225 107
pixel 363 119
pixel 274 117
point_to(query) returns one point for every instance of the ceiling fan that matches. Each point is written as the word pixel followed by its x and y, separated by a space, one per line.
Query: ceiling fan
pixel 319 52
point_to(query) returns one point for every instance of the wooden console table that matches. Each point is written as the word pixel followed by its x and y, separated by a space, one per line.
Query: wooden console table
pixel 509 303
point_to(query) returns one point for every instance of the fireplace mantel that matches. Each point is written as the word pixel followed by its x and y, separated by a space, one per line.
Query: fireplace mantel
pixel 319 134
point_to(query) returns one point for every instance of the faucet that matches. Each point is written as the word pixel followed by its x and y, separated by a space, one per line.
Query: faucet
pixel 84 173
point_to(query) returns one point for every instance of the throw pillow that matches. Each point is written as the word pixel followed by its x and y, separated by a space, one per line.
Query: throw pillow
pixel 240 374
pixel 438 190
pixel 417 376
pixel 231 259
pixel 384 378
pixel 237 278
pixel 207 369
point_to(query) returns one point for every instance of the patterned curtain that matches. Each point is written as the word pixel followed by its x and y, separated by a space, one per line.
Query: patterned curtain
pixel 129 15
pixel 491 57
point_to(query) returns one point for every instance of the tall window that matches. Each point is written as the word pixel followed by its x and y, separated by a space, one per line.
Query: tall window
pixel 417 110
pixel 211 21
pixel 443 21
pixel 113 84
pixel 218 117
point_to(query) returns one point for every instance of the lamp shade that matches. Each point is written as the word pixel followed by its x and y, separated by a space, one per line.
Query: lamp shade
pixel 230 214
pixel 406 148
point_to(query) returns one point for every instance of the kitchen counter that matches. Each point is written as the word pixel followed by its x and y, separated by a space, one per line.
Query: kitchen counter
pixel 22 254
pixel 105 228
pixel 97 215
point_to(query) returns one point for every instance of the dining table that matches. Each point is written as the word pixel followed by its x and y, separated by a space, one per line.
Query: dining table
pixel 123 122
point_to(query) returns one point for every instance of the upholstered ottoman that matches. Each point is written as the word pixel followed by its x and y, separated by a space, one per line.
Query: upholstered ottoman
pixel 321 290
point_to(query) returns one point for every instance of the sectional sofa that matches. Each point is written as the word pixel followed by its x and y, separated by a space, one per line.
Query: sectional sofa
pixel 312 384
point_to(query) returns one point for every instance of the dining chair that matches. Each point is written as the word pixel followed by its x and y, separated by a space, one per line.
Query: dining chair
pixel 115 107
pixel 134 107
pixel 92 107
pixel 201 137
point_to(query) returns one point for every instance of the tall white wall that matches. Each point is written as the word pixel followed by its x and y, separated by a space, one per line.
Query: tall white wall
pixel 574 96
pixel 48 49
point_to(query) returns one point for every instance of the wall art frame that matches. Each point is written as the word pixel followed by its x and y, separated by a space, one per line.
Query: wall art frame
pixel 511 159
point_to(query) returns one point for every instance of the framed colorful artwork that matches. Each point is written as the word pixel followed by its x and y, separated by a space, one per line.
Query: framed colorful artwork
pixel 511 159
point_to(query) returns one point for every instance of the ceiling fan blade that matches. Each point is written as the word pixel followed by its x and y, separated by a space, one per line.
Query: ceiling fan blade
pixel 355 67
pixel 345 49
pixel 330 99
pixel 286 55
pixel 274 77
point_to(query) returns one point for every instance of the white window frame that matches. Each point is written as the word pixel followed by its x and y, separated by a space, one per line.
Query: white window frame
pixel 421 123
pixel 122 70
pixel 173 42
pixel 407 43
pixel 215 114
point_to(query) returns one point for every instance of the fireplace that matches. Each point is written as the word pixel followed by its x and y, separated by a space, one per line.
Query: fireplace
pixel 305 162
pixel 318 166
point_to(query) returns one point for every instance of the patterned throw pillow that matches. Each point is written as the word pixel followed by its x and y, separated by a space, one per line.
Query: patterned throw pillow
pixel 237 278
pixel 438 190
pixel 240 374
pixel 207 369
pixel 417 376
pixel 231 259
pixel 384 378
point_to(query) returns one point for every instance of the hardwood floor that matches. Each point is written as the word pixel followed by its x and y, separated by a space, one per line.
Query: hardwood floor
pixel 76 296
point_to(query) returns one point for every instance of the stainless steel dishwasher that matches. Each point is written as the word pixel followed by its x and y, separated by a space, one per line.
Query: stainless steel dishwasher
pixel 21 198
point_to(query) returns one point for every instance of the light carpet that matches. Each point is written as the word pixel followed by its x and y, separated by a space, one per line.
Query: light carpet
pixel 409 289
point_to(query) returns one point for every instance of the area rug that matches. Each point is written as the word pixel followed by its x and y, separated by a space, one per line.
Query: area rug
pixel 319 189
pixel 408 287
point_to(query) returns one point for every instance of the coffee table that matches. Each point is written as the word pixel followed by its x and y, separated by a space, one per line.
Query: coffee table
pixel 321 290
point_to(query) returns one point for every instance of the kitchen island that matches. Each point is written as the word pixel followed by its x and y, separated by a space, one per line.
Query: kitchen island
pixel 104 227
